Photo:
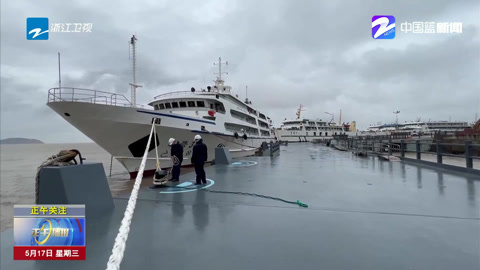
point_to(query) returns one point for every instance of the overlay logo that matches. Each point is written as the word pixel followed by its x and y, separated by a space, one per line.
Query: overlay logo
pixel 383 27
pixel 37 28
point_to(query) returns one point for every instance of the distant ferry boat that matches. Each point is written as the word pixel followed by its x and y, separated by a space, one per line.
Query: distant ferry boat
pixel 308 130
pixel 420 127
pixel 122 127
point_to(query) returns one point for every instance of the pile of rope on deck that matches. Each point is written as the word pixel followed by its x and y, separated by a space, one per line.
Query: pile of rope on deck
pixel 63 158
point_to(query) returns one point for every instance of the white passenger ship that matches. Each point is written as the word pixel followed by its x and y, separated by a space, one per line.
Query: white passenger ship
pixel 122 127
pixel 419 127
pixel 306 130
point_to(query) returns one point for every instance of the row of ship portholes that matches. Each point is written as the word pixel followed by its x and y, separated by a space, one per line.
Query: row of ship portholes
pixel 314 134
pixel 234 134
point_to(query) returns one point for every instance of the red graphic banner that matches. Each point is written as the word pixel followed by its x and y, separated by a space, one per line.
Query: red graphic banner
pixel 49 253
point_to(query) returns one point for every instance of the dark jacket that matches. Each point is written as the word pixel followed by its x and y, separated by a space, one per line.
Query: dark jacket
pixel 177 150
pixel 199 155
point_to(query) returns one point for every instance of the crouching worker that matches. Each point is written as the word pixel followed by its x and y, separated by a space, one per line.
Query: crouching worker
pixel 176 154
pixel 199 157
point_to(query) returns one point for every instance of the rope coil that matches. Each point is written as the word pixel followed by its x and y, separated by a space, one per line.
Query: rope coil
pixel 59 159
pixel 122 236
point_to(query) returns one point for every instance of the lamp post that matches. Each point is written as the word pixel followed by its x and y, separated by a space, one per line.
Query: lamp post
pixel 396 121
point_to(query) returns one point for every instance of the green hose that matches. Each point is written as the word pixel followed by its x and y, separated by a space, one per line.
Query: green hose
pixel 302 204
pixel 299 203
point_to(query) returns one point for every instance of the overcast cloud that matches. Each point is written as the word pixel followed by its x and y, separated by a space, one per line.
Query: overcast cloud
pixel 316 53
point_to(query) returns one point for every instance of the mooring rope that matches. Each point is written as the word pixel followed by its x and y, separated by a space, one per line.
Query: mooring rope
pixel 55 160
pixel 122 236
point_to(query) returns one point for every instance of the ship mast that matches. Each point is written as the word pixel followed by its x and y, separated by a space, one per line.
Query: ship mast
pixel 299 111
pixel 134 85
pixel 219 78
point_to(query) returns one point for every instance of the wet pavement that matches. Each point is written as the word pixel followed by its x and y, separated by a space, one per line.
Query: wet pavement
pixel 363 214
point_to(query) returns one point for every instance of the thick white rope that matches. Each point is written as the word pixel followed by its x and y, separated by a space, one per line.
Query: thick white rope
pixel 122 236
pixel 156 149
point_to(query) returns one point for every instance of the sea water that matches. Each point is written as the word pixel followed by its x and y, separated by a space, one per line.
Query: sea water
pixel 18 167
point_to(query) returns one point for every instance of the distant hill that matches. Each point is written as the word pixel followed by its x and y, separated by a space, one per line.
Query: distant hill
pixel 20 141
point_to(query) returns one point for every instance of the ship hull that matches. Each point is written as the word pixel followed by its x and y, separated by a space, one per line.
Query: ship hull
pixel 123 132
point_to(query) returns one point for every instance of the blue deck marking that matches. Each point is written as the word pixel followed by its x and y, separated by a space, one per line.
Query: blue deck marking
pixel 187 188
pixel 242 163
pixel 185 184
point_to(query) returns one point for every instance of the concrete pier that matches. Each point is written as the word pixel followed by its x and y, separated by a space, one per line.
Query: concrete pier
pixel 363 214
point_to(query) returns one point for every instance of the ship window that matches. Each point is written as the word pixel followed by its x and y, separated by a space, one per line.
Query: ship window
pixel 219 108
pixel 211 106
pixel 200 104
pixel 161 106
pixel 314 133
pixel 155 107
pixel 174 104
pixel 168 106
pixel 183 104
pixel 326 133
pixel 191 104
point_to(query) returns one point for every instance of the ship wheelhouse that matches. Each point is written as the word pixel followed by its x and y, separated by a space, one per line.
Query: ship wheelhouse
pixel 216 103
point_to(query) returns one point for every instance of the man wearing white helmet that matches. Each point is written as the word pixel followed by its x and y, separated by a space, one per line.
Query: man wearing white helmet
pixel 176 154
pixel 199 157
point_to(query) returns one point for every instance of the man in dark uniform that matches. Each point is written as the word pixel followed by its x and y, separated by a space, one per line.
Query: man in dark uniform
pixel 176 155
pixel 199 157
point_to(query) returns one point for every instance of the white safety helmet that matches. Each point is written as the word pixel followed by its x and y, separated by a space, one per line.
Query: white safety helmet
pixel 171 141
pixel 197 137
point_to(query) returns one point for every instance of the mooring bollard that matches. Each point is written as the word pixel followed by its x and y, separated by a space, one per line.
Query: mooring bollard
pixel 439 153
pixel 468 154
pixel 402 148
pixel 418 150
pixel 111 164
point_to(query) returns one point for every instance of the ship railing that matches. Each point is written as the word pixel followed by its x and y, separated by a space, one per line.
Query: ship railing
pixel 185 93
pixel 466 152
pixel 71 94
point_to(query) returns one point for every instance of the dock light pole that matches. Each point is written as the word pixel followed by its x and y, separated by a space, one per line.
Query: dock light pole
pixel 396 121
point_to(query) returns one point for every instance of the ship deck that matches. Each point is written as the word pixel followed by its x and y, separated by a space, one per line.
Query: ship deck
pixel 362 213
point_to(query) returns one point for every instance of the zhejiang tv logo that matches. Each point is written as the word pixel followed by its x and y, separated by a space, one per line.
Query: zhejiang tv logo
pixel 383 27
pixel 37 28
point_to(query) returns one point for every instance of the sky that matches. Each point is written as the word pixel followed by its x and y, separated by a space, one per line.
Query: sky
pixel 320 54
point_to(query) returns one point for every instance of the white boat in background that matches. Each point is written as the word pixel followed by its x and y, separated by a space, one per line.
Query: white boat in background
pixel 307 130
pixel 122 127
pixel 417 128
